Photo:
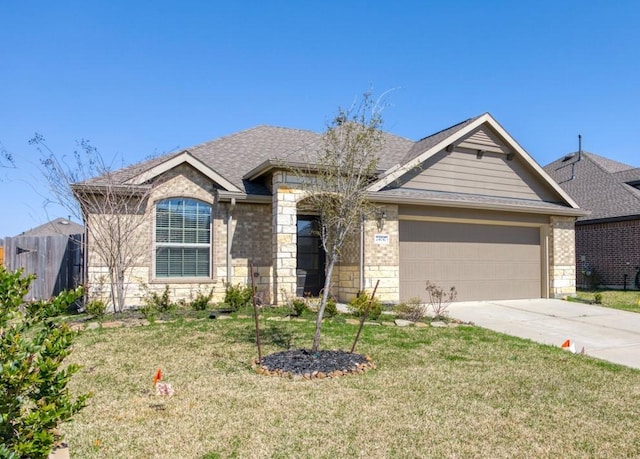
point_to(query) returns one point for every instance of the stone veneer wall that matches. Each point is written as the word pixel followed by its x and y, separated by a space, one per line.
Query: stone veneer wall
pixel 562 258
pixel 284 221
pixel 382 261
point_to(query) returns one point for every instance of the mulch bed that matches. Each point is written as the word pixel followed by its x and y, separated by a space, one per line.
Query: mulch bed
pixel 306 364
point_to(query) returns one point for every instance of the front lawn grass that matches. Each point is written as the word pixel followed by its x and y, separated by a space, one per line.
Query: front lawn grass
pixel 437 392
pixel 628 300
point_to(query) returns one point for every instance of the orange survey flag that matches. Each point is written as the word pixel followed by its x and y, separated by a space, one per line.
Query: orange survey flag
pixel 157 377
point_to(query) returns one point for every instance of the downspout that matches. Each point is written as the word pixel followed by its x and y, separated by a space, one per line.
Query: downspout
pixel 232 204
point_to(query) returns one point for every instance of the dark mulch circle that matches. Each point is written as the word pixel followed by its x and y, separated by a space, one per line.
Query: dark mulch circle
pixel 304 362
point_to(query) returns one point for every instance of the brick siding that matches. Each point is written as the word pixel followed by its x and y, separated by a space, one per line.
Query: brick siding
pixel 605 252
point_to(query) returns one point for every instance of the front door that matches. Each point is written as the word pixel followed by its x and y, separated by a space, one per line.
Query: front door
pixel 311 257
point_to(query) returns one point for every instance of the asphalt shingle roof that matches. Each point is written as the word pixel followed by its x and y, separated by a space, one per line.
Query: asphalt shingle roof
pixel 598 184
pixel 59 226
pixel 424 144
pixel 235 155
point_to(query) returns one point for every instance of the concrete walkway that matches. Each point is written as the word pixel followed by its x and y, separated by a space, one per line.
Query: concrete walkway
pixel 605 333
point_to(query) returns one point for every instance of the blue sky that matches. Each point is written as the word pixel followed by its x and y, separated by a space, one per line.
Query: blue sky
pixel 141 78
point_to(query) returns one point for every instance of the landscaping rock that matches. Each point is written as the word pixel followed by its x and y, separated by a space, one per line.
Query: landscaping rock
pixel 92 326
pixel 422 325
pixel 352 321
pixel 438 324
pixel 388 324
pixel 403 322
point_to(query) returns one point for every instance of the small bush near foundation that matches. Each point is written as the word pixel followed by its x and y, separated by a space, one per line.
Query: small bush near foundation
pixel 331 308
pixel 412 309
pixel 238 296
pixel 201 301
pixel 597 298
pixel 97 308
pixel 158 302
pixel 358 306
pixel 298 307
pixel 439 299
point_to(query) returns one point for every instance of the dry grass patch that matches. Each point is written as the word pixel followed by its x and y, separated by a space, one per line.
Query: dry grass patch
pixel 437 392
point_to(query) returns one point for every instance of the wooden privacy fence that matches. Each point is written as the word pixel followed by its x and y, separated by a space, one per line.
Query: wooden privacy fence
pixel 56 261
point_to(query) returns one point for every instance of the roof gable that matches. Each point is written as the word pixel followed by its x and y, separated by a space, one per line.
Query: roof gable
pixel 183 158
pixel 442 163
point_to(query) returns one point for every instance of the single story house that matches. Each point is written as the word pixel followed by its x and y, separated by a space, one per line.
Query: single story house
pixel 465 207
pixel 608 239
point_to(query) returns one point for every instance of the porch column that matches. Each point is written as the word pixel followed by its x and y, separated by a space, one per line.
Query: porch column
pixel 284 239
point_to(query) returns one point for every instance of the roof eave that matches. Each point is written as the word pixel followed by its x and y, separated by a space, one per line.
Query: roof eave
pixel 226 196
pixel 270 165
pixel 608 219
pixel 560 211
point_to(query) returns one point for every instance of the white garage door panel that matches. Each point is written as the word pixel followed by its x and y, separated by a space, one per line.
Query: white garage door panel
pixel 483 262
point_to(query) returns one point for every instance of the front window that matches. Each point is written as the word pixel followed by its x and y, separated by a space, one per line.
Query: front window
pixel 183 238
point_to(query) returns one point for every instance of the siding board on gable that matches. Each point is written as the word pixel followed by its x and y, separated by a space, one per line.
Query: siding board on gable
pixel 461 171
pixel 484 139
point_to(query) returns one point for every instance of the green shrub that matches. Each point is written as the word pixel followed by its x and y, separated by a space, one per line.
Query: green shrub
pixel 331 308
pixel 97 308
pixel 298 306
pixel 201 301
pixel 597 298
pixel 34 398
pixel 412 309
pixel 160 303
pixel 359 305
pixel 238 296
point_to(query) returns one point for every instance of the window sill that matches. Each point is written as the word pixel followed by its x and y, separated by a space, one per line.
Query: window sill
pixel 183 280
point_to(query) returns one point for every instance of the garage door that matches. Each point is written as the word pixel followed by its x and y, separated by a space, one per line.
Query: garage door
pixel 483 262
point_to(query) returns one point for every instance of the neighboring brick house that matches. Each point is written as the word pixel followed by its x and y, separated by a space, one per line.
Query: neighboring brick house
pixel 466 206
pixel 608 239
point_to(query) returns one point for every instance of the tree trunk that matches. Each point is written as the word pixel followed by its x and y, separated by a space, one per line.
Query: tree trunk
pixel 323 303
pixel 112 279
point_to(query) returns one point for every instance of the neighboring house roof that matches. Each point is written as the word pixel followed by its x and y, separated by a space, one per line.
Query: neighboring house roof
pixel 237 162
pixel 607 188
pixel 54 228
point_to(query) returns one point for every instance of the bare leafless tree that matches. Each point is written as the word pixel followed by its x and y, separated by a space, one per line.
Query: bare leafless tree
pixel 336 181
pixel 113 212
pixel 6 158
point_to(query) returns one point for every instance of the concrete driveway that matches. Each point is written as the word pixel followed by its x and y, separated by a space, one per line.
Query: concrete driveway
pixel 605 333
